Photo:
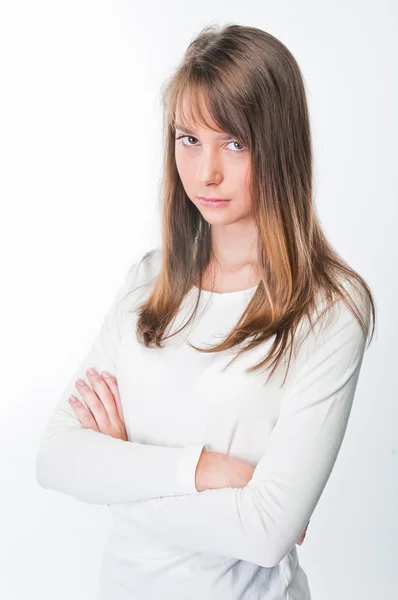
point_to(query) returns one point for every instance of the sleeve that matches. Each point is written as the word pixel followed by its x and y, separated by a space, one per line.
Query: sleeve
pixel 262 521
pixel 94 467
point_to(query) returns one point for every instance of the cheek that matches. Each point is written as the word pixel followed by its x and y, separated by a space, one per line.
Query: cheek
pixel 242 183
pixel 239 176
pixel 183 166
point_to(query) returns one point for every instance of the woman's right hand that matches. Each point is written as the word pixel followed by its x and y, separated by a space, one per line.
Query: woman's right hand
pixel 216 470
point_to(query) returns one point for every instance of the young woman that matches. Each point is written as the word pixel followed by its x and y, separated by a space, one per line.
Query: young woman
pixel 226 367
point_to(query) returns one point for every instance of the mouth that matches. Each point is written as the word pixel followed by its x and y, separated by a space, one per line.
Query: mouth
pixel 213 201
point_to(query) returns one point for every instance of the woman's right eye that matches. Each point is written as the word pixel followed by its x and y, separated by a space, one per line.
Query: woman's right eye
pixel 186 136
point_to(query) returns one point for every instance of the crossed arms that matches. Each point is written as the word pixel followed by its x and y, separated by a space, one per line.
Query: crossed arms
pixel 260 522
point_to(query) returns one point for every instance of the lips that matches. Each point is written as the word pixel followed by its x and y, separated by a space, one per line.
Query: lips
pixel 214 202
pixel 207 199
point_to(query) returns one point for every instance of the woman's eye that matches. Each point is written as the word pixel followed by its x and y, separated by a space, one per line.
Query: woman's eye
pixel 235 142
pixel 190 137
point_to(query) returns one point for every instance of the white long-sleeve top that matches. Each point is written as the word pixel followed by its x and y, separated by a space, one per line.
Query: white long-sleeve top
pixel 168 540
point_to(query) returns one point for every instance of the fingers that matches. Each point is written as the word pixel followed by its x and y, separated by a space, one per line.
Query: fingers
pixel 93 402
pixel 302 536
pixel 112 384
pixel 104 389
pixel 301 539
pixel 104 410
pixel 85 416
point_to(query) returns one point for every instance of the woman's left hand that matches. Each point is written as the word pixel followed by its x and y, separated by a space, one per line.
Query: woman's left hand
pixel 103 400
pixel 106 414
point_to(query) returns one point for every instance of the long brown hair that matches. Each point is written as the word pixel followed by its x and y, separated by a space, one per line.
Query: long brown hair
pixel 253 89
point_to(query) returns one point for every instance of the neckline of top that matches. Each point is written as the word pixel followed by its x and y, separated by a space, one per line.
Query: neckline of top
pixel 237 293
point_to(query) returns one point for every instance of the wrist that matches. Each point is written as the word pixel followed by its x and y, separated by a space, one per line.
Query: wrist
pixel 210 471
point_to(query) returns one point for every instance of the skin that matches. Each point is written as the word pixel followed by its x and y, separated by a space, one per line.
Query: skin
pixel 104 414
pixel 212 167
pixel 220 168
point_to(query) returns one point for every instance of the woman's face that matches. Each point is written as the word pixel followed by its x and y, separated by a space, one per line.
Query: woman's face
pixel 213 164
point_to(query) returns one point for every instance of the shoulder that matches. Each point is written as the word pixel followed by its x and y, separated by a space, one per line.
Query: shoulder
pixel 143 268
pixel 338 326
pixel 137 282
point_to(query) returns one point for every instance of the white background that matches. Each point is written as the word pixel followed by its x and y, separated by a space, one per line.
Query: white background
pixel 80 160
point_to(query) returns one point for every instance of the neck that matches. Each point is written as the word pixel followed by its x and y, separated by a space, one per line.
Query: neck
pixel 234 246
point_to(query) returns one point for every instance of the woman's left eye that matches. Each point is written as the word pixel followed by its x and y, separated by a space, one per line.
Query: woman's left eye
pixel 191 137
pixel 235 142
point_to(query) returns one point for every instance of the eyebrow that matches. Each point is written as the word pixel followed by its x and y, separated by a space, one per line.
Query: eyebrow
pixel 220 136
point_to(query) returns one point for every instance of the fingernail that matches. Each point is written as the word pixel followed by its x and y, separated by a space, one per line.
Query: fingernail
pixel 91 371
pixel 106 374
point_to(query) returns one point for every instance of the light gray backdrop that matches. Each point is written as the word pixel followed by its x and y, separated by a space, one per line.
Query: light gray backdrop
pixel 80 155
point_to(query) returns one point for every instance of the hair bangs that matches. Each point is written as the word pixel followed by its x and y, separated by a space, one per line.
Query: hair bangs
pixel 200 102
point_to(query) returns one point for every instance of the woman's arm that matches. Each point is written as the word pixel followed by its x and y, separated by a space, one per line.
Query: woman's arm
pixel 94 467
pixel 261 522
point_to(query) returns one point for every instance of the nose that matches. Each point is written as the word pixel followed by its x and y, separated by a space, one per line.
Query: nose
pixel 209 168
